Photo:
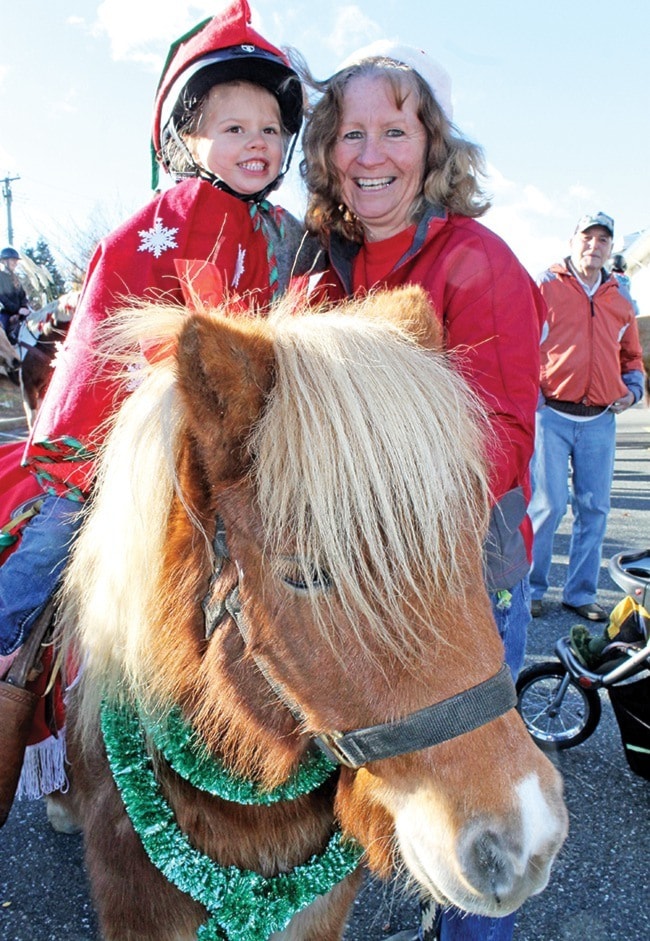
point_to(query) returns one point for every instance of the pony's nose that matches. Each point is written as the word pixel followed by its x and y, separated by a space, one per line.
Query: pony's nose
pixel 487 864
pixel 498 867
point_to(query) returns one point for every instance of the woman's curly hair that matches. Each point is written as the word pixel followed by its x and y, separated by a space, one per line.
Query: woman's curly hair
pixel 453 165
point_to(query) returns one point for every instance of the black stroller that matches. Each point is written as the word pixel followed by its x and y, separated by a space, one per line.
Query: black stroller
pixel 559 699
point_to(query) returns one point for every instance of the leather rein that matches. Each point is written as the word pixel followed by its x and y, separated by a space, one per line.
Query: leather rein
pixel 440 722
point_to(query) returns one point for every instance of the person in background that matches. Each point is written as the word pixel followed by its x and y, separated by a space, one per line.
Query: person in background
pixel 591 371
pixel 227 111
pixel 13 299
pixel 393 196
pixel 619 268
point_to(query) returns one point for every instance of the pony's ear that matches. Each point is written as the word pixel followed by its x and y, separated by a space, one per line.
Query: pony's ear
pixel 409 307
pixel 225 370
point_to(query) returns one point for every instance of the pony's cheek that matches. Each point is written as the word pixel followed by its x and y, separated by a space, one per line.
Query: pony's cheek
pixel 364 817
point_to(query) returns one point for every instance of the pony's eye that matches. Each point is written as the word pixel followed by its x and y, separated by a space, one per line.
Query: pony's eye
pixel 305 578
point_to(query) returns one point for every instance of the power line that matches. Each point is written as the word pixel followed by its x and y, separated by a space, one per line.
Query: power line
pixel 6 192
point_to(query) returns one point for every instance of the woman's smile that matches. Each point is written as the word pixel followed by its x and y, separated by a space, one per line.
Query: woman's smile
pixel 366 184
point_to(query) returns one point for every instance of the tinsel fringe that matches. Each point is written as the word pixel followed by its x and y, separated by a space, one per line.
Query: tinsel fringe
pixel 44 769
pixel 242 904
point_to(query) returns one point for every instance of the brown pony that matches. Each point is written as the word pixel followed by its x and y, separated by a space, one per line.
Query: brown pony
pixel 284 550
pixel 8 353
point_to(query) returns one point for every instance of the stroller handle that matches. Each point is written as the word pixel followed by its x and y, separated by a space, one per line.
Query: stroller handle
pixel 631 572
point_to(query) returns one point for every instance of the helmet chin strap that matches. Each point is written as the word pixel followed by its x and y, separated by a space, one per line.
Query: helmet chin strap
pixel 204 174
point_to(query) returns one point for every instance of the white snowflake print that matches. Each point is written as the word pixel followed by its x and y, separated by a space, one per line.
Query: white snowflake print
pixel 239 266
pixel 157 239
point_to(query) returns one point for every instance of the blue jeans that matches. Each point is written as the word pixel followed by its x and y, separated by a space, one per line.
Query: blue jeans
pixel 32 572
pixel 456 926
pixel 512 619
pixel 586 450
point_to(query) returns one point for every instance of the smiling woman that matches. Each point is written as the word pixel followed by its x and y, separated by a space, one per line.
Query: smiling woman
pixel 380 157
pixel 394 192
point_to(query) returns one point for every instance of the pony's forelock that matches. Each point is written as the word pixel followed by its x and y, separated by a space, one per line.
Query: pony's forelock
pixel 369 463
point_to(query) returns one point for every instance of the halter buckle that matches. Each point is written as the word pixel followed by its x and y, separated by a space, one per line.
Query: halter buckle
pixel 332 744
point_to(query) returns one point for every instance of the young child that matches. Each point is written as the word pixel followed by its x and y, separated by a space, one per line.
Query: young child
pixel 227 110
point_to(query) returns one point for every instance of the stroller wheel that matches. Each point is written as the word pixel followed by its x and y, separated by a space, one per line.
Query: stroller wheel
pixel 556 719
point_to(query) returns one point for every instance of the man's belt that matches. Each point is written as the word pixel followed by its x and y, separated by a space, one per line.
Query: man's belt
pixel 576 408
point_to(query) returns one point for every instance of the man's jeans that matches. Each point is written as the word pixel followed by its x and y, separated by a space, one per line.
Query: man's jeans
pixel 587 449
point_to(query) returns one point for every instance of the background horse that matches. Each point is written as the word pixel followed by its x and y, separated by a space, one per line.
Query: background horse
pixel 8 353
pixel 285 550
pixel 38 341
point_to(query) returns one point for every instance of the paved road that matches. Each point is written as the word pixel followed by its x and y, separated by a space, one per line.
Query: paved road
pixel 599 888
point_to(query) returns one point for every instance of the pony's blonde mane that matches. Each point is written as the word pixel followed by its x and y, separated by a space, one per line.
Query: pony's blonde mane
pixel 110 591
pixel 370 455
pixel 367 463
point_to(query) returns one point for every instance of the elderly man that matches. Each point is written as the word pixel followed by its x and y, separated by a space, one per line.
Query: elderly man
pixel 591 371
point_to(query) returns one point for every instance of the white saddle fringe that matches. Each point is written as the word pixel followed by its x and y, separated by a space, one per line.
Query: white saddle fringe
pixel 43 769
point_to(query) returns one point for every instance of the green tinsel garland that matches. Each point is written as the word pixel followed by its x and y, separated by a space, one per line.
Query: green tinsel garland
pixel 177 742
pixel 243 905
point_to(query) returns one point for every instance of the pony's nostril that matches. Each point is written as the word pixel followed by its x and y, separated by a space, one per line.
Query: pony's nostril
pixel 487 864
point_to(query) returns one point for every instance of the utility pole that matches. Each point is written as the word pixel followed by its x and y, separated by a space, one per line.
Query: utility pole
pixel 6 192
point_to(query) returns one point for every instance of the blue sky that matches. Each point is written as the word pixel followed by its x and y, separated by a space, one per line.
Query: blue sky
pixel 557 94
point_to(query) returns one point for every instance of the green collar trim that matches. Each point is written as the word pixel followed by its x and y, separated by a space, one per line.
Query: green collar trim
pixel 186 754
pixel 243 905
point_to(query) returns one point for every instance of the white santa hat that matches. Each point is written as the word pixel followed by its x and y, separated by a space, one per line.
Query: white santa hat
pixel 437 78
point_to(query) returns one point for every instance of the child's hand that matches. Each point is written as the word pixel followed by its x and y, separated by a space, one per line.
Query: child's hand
pixel 5 662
